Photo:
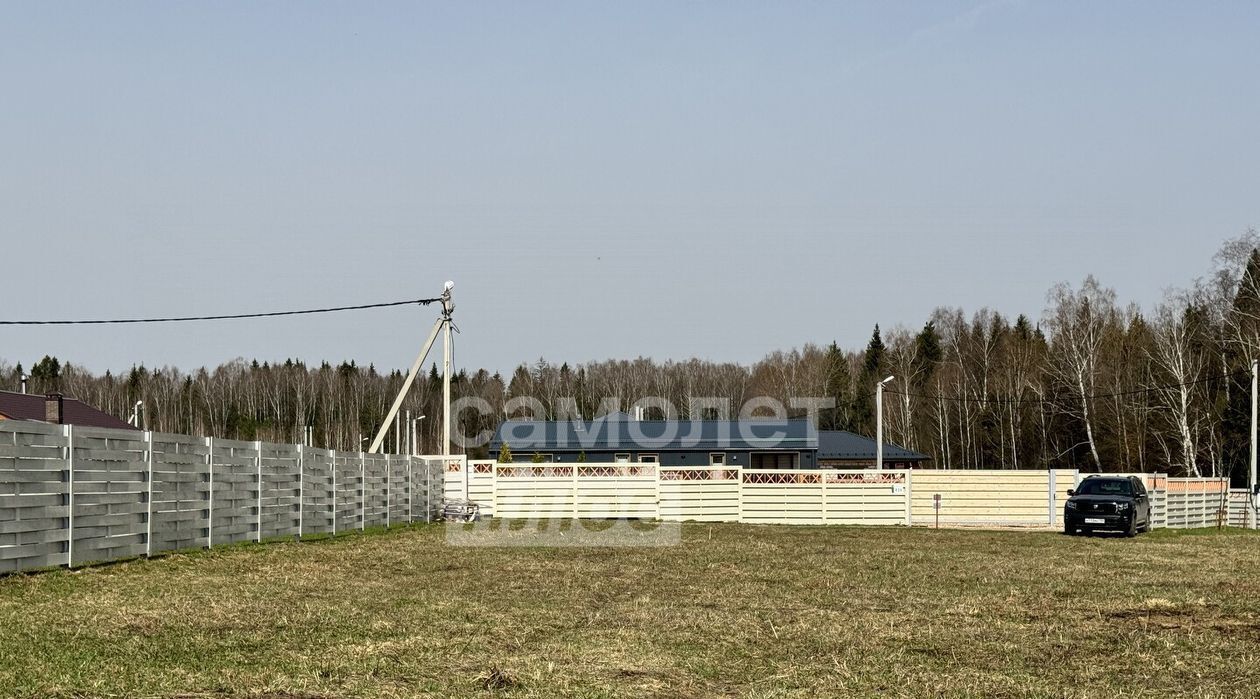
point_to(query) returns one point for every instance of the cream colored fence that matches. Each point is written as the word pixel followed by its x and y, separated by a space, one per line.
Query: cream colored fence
pixel 819 496
pixel 1002 498
pixel 807 496
pixel 699 493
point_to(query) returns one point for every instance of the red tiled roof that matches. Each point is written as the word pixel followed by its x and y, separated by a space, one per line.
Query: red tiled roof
pixel 27 406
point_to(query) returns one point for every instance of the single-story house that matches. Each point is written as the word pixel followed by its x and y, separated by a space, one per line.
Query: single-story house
pixel 753 443
pixel 55 409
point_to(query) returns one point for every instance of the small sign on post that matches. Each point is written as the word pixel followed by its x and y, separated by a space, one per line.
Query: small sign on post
pixel 936 508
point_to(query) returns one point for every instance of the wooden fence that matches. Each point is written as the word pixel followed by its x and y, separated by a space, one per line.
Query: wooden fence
pixel 76 495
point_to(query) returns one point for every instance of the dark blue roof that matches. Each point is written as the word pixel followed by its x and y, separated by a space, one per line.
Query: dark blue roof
pixel 618 431
pixel 846 445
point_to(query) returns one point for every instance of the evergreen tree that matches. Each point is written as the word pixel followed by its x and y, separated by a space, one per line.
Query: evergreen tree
pixel 864 393
pixel 538 458
pixel 928 355
pixel 838 386
pixel 505 454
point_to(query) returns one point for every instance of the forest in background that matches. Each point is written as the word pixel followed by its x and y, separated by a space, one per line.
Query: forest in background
pixel 1089 384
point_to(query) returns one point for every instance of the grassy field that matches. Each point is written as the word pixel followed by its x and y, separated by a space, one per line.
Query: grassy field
pixel 737 610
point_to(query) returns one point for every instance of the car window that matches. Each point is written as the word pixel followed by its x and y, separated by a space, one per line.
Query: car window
pixel 1105 486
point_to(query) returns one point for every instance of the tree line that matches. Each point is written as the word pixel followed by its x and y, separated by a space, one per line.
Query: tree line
pixel 1089 384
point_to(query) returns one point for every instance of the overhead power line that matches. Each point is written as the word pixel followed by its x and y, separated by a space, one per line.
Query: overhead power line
pixel 235 316
pixel 1092 396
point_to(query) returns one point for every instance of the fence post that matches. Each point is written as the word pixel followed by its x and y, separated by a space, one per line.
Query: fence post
pixel 301 488
pixel 822 486
pixel 411 493
pixel 258 463
pixel 909 495
pixel 428 489
pixel 1050 500
pixel 389 474
pixel 210 510
pixel 68 431
pixel 574 484
pixel 148 523
pixel 332 463
pixel 362 491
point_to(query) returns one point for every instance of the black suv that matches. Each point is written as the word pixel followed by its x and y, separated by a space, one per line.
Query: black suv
pixel 1108 503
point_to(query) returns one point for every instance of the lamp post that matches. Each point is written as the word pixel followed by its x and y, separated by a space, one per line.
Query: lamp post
pixel 879 423
pixel 415 435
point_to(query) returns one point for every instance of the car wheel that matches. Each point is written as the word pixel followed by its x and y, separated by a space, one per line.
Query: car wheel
pixel 1146 527
pixel 1132 530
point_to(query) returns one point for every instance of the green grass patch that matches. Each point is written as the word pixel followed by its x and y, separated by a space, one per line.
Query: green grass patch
pixel 736 610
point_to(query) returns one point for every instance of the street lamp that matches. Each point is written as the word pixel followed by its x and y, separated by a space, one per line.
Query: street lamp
pixel 879 423
pixel 415 435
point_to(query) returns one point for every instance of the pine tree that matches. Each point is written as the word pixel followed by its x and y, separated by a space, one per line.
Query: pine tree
pixel 581 458
pixel 505 454
pixel 538 458
pixel 864 393
pixel 838 386
pixel 929 354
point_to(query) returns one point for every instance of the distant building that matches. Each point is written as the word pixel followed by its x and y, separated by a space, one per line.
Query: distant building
pixel 756 443
pixel 55 409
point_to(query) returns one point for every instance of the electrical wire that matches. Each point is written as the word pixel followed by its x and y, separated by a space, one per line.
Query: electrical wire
pixel 1093 396
pixel 237 316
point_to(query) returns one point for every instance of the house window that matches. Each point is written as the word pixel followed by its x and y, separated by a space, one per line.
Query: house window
pixel 622 458
pixel 774 459
pixel 717 458
pixel 648 459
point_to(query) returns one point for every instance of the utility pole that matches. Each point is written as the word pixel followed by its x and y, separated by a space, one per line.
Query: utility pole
pixel 443 324
pixel 447 309
pixel 879 423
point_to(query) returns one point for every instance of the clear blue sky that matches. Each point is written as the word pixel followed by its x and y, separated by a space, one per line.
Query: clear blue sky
pixel 604 179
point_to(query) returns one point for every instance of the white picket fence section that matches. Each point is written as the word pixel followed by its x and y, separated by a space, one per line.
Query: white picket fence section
pixel 76 495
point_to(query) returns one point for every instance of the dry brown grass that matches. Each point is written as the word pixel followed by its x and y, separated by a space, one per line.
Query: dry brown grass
pixel 737 610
